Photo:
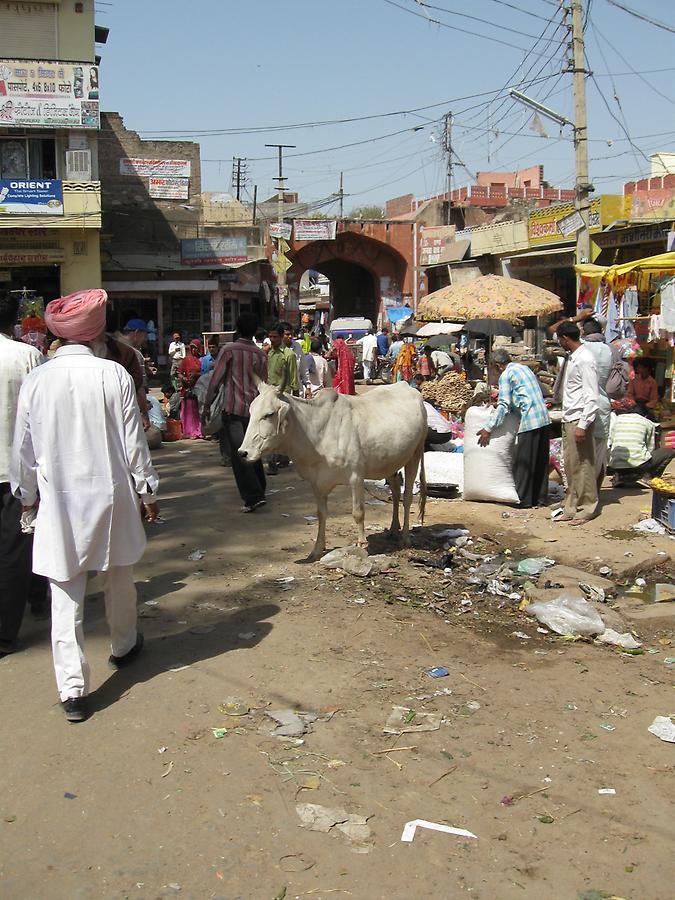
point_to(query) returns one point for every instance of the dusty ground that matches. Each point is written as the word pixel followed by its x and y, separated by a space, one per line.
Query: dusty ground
pixel 143 801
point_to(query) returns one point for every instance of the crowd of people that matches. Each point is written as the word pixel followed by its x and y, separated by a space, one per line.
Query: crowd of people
pixel 73 499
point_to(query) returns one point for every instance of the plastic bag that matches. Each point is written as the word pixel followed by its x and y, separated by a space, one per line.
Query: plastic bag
pixel 488 471
pixel 534 565
pixel 355 561
pixel 568 614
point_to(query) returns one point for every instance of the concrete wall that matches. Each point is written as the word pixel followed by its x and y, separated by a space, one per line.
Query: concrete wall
pixel 81 268
pixel 133 221
pixel 532 177
pixel 76 31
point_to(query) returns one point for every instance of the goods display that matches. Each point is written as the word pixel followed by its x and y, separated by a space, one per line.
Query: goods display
pixel 664 485
pixel 451 393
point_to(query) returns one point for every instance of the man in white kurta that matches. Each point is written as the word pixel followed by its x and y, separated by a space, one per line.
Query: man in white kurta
pixel 80 455
pixel 369 349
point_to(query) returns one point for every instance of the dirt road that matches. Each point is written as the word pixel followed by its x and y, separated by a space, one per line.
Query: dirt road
pixel 144 801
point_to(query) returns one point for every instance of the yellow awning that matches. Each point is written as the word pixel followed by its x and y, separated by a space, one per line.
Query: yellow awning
pixel 656 263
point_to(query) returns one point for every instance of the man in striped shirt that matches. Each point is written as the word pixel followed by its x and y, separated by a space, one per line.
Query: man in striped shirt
pixel 632 454
pixel 237 364
pixel 520 393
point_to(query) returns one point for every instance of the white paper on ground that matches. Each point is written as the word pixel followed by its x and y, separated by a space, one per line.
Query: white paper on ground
pixel 411 827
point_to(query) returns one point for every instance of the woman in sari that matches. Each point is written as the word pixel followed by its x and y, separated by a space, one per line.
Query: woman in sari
pixel 189 372
pixel 405 363
pixel 343 382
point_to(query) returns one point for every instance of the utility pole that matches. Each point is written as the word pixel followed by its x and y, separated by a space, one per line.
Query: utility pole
pixel 281 275
pixel 583 186
pixel 238 175
pixel 447 146
pixel 342 196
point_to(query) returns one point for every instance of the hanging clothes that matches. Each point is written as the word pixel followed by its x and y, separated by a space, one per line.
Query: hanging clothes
pixel 668 305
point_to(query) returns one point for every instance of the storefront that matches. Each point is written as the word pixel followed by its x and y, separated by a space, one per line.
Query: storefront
pixel 627 243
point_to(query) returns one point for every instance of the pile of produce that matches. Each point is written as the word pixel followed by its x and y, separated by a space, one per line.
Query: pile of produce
pixel 451 393
pixel 663 485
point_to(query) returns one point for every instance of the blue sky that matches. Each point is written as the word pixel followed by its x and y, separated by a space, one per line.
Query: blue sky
pixel 175 70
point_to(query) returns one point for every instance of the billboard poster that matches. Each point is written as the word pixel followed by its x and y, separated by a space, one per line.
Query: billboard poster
pixel 30 198
pixel 156 168
pixel 390 292
pixel 280 230
pixel 314 230
pixel 39 93
pixel 435 245
pixel 657 204
pixel 217 251
pixel 160 187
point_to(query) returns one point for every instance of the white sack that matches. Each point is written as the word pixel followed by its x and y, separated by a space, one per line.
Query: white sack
pixel 488 471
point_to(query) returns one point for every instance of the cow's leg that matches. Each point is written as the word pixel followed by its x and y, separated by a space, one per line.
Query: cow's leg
pixel 411 468
pixel 322 513
pixel 359 508
pixel 395 485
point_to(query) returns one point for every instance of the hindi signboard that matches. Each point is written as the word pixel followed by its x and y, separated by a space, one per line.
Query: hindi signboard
pixel 160 187
pixel 280 230
pixel 217 251
pixel 435 243
pixel 39 94
pixel 571 224
pixel 31 198
pixel 314 229
pixel 155 168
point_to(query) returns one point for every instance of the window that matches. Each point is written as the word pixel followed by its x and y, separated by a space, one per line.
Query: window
pixel 27 158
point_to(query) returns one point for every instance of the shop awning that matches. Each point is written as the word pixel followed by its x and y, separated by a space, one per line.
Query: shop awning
pixel 660 262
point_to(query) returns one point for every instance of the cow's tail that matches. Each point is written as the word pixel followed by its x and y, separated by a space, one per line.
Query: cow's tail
pixel 423 489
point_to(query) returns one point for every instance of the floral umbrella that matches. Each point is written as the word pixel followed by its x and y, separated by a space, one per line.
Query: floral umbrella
pixel 488 297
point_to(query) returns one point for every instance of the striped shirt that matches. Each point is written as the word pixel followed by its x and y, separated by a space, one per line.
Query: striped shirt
pixel 632 439
pixel 520 392
pixel 236 364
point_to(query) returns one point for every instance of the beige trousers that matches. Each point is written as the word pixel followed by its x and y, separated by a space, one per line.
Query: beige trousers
pixel 582 488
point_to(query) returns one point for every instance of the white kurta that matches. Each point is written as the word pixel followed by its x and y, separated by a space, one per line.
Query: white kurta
pixel 79 445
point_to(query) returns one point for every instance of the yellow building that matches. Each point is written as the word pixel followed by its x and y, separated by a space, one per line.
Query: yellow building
pixel 50 195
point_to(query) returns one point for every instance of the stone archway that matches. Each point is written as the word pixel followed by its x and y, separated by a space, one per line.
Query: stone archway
pixel 359 268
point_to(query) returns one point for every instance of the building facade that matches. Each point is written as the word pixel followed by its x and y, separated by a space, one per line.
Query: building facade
pixel 50 196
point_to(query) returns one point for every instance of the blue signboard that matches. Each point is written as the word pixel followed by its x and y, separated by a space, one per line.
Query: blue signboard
pixel 31 197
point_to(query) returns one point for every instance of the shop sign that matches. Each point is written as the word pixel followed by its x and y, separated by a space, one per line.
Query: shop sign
pixel 39 93
pixel 314 230
pixel 280 230
pixel 27 256
pixel 163 188
pixel 640 234
pixel 656 204
pixel 146 168
pixel 435 245
pixel 21 197
pixel 543 228
pixel 571 224
pixel 562 260
pixel 221 251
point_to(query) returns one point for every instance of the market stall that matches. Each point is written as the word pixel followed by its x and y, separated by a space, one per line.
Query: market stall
pixel 638 301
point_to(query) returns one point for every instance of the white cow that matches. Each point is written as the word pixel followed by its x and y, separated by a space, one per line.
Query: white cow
pixel 336 439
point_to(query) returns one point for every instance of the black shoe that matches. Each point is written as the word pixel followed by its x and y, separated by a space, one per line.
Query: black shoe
pixel 76 709
pixel 119 662
pixel 8 647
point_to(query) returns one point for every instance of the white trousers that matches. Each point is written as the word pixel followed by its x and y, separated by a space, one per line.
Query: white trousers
pixel 70 663
pixel 368 366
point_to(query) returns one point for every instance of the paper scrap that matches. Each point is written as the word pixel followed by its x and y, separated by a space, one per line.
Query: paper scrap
pixel 411 827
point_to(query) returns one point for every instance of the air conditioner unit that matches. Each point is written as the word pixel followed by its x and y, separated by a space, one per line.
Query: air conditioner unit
pixel 78 165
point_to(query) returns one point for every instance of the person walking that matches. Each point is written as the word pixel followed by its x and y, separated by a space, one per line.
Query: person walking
pixel 343 380
pixel 189 372
pixel 17 359
pixel 425 363
pixel 593 340
pixel 320 376
pixel 520 393
pixel 369 353
pixel 579 383
pixel 238 366
pixel 176 354
pixel 282 372
pixel 87 483
pixel 383 342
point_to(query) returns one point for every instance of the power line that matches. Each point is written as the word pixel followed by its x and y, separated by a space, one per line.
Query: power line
pixel 525 12
pixel 637 15
pixel 456 28
pixel 618 121
pixel 451 12
pixel 598 35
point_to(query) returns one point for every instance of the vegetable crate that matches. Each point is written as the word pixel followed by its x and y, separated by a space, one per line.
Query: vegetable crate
pixel 663 509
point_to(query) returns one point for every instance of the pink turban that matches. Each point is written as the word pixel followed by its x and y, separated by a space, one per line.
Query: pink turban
pixel 77 317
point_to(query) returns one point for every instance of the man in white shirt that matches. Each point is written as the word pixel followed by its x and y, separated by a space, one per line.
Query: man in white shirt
pixel 580 409
pixel 16 361
pixel 87 482
pixel 176 355
pixel 321 376
pixel 369 350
